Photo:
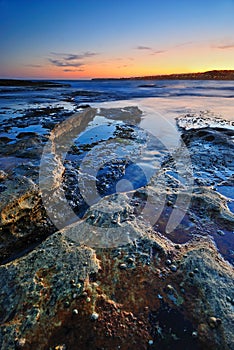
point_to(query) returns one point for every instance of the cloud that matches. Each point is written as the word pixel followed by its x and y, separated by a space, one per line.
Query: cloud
pixel 184 44
pixel 65 63
pixel 70 59
pixel 33 65
pixel 158 52
pixel 147 48
pixel 224 46
pixel 143 48
pixel 72 56
pixel 73 70
pixel 123 66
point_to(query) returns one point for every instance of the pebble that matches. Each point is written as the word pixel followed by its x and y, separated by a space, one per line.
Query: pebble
pixel 150 342
pixel 191 274
pixel 3 175
pixel 221 233
pixel 196 270
pixel 66 304
pixel 170 289
pixel 194 334
pixel 168 262
pixel 88 300
pixel 94 316
pixel 20 343
pixel 173 268
pixel 230 300
pixel 75 312
pixel 214 322
pixel 122 266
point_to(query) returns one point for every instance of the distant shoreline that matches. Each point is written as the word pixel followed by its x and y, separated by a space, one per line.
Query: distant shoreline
pixel 209 75
pixel 31 83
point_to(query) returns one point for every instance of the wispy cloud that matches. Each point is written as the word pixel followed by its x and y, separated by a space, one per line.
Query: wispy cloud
pixel 33 65
pixel 70 59
pixel 224 46
pixel 72 56
pixel 143 48
pixel 158 52
pixel 74 70
pixel 65 63
pixel 183 44
pixel 150 49
pixel 123 66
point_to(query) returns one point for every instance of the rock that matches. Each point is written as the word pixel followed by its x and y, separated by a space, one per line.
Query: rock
pixel 94 316
pixel 19 197
pixel 173 268
pixel 122 266
pixel 75 312
pixel 220 232
pixel 20 343
pixel 39 293
pixel 211 284
pixel 23 221
pixel 35 288
pixel 168 262
pixel 131 113
pixel 3 175
pixel 214 322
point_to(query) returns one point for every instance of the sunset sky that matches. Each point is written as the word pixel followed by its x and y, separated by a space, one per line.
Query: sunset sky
pixel 80 39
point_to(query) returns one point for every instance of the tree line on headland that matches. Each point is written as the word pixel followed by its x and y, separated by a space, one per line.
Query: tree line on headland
pixel 209 75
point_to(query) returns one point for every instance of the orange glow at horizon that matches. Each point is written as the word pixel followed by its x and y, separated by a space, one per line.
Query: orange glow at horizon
pixel 180 60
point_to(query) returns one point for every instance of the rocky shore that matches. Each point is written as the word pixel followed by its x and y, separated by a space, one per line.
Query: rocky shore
pixel 114 279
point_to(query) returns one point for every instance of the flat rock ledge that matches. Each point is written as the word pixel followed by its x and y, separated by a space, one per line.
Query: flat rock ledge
pixel 65 295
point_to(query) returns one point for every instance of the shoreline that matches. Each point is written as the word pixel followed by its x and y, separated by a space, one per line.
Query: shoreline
pixel 114 271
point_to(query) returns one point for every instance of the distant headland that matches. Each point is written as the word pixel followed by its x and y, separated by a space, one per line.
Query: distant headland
pixel 31 83
pixel 209 75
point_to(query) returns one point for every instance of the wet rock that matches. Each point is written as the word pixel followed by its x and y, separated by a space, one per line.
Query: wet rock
pixel 94 316
pixel 19 197
pixel 3 175
pixel 211 284
pixel 173 268
pixel 123 266
pixel 168 262
pixel 23 221
pixel 132 114
pixel 214 322
pixel 38 312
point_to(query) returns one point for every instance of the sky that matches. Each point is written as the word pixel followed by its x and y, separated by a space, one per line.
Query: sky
pixel 82 39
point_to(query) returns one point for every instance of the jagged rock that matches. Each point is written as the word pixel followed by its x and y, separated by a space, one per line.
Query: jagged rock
pixel 35 288
pixel 131 113
pixel 23 220
pixel 19 197
pixel 206 294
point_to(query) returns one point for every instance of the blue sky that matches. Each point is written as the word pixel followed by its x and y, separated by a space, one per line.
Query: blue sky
pixel 86 38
